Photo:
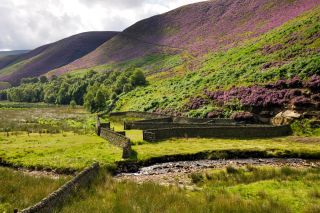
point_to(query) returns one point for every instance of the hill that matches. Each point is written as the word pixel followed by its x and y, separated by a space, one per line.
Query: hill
pixel 51 56
pixel 289 50
pixel 194 29
pixel 13 52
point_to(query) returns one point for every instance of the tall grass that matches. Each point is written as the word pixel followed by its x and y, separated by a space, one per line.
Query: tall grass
pixel 19 190
pixel 218 194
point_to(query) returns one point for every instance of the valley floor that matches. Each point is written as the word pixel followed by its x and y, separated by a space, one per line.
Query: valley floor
pixel 63 140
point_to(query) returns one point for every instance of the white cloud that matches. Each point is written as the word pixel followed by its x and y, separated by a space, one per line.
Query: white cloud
pixel 26 24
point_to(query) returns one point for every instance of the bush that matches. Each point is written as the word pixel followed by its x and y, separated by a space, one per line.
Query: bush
pixel 138 79
pixel 73 104
pixel 196 178
pixel 232 170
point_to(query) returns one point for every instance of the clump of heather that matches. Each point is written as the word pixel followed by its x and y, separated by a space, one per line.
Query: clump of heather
pixel 196 103
pixel 301 101
pixel 295 82
pixel 215 114
pixel 313 84
pixel 246 117
pixel 293 92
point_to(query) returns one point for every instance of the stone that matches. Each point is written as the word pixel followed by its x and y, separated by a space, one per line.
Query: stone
pixel 285 118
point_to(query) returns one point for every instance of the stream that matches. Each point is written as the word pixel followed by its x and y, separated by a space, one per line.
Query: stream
pixel 177 173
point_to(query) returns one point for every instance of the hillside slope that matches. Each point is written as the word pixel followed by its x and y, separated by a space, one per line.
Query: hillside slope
pixel 195 29
pixel 293 49
pixel 51 56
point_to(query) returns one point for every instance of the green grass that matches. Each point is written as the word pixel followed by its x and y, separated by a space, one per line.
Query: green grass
pixel 297 189
pixel 246 190
pixel 57 151
pixel 19 190
pixel 194 145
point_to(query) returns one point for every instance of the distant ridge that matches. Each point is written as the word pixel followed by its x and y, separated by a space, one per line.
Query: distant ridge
pixel 51 56
pixel 13 52
pixel 196 28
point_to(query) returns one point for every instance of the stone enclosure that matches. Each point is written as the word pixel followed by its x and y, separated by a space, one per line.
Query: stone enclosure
pixel 160 127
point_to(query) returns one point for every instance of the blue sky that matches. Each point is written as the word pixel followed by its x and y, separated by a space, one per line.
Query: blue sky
pixel 27 24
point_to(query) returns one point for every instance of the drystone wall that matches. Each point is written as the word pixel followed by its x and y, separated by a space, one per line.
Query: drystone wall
pixel 117 139
pixel 250 131
pixel 100 125
pixel 165 125
pixel 55 199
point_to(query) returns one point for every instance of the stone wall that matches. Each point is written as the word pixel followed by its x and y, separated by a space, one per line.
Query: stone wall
pixel 165 125
pixel 55 199
pixel 250 131
pixel 117 139
pixel 100 125
pixel 161 117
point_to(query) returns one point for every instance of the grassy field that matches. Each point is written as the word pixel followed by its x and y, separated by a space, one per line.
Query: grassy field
pixel 309 145
pixel 51 119
pixel 19 190
pixel 57 151
pixel 9 104
pixel 250 189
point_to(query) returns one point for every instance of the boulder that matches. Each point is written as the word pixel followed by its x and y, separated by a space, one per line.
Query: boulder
pixel 246 117
pixel 285 118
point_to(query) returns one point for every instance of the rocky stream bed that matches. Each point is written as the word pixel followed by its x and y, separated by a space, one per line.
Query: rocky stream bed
pixel 177 173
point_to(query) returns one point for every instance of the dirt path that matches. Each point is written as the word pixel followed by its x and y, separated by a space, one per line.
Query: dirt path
pixel 177 173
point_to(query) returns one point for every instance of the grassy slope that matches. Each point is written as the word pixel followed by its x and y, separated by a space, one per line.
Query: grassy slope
pixel 294 45
pixel 286 190
pixel 20 190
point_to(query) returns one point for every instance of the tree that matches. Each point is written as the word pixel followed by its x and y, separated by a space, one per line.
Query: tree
pixel 137 78
pixel 43 79
pixel 100 100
